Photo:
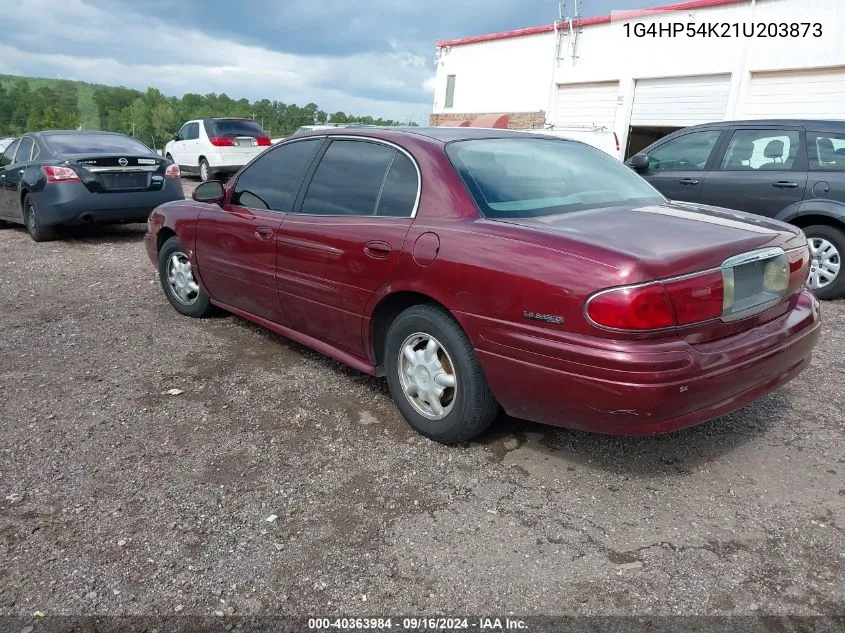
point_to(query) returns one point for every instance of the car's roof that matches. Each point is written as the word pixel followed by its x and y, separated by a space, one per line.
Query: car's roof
pixel 779 122
pixel 443 134
pixel 48 133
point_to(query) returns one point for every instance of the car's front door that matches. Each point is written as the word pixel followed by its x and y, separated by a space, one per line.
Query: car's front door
pixel 345 237
pixel 677 167
pixel 236 242
pixel 761 170
pixel 8 183
pixel 184 150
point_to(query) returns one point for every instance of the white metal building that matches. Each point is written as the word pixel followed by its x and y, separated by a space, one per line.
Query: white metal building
pixel 598 73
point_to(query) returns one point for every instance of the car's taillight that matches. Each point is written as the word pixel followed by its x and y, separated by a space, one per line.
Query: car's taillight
pixel 59 174
pixel 222 141
pixel 263 141
pixel 173 171
pixel 743 285
pixel 659 305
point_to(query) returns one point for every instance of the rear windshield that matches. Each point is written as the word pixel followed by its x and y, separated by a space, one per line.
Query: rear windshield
pixel 529 177
pixel 94 144
pixel 234 127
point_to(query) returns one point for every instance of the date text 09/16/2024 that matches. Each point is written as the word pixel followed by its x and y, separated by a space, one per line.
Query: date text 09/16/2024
pixel 418 624
pixel 723 29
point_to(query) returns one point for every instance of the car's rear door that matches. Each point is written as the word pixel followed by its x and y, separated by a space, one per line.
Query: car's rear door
pixel 236 242
pixel 345 237
pixel 8 184
pixel 677 167
pixel 762 169
pixel 13 175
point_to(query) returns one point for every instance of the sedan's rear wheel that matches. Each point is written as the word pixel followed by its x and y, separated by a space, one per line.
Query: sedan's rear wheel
pixel 827 248
pixel 435 378
pixel 37 231
pixel 178 282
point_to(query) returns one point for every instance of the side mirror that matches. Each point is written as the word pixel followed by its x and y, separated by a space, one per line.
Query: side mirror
pixel 639 163
pixel 211 191
pixel 175 137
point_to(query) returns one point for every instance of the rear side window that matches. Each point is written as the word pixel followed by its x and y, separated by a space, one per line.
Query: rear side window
pixel 349 179
pixel 399 194
pixel 273 179
pixel 24 150
pixel 9 153
pixel 234 127
pixel 94 144
pixel 689 152
pixel 761 150
pixel 826 151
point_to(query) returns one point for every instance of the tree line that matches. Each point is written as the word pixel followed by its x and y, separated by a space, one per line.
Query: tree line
pixel 149 116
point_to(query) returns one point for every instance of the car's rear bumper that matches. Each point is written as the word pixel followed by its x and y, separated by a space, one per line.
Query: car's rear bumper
pixel 640 387
pixel 73 203
pixel 230 162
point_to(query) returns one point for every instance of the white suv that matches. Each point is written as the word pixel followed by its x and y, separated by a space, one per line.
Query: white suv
pixel 212 147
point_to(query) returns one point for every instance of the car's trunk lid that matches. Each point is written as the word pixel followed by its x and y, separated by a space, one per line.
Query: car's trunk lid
pixel 119 174
pixel 680 239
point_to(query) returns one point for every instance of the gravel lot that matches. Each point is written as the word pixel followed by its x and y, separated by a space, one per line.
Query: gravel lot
pixel 116 498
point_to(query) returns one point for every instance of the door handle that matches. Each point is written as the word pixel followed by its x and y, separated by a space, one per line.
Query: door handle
pixel 264 233
pixel 377 250
pixel 785 184
pixel 688 181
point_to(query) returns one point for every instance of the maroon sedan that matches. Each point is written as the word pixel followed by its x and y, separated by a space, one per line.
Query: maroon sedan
pixel 477 269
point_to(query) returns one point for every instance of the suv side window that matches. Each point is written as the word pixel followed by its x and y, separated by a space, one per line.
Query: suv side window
pixel 349 179
pixel 24 150
pixel 9 153
pixel 193 131
pixel 689 152
pixel 761 150
pixel 273 179
pixel 826 151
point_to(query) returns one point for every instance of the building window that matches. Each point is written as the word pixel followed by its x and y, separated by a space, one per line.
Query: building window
pixel 450 91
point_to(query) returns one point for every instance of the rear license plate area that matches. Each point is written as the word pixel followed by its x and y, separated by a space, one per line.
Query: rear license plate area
pixel 123 181
pixel 754 283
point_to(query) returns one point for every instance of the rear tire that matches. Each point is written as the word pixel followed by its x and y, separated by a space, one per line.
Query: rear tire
pixel 37 231
pixel 205 170
pixel 827 248
pixel 178 282
pixel 427 352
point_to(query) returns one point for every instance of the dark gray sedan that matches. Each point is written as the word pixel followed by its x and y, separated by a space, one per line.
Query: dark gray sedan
pixel 50 179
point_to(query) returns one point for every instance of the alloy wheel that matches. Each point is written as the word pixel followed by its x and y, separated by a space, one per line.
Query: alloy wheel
pixel 825 262
pixel 180 277
pixel 427 376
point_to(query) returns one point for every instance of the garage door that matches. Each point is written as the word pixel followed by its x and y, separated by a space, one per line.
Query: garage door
pixel 814 94
pixel 587 104
pixel 680 101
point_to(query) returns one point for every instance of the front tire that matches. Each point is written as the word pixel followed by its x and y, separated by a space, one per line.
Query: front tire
pixel 434 376
pixel 827 248
pixel 37 231
pixel 178 282
pixel 205 170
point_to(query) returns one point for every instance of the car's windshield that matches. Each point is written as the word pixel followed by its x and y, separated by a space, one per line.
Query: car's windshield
pixel 236 127
pixel 94 144
pixel 529 177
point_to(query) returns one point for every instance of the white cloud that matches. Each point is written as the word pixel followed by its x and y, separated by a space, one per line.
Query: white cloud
pixel 104 45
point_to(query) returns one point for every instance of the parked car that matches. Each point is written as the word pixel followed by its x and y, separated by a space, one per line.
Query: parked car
pixel 790 170
pixel 599 137
pixel 530 273
pixel 216 147
pixel 49 179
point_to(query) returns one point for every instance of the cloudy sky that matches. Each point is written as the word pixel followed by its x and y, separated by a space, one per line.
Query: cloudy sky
pixel 359 56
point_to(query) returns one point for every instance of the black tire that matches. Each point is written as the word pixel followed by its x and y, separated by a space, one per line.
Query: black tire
pixel 37 231
pixel 836 236
pixel 473 407
pixel 198 306
pixel 205 171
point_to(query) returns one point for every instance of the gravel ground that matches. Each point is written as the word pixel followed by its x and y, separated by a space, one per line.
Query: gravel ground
pixel 278 481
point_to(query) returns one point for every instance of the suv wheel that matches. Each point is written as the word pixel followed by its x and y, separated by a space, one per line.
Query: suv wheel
pixel 827 247
pixel 205 172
